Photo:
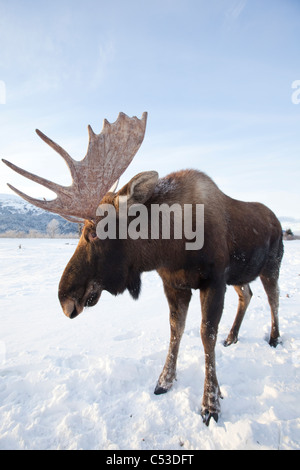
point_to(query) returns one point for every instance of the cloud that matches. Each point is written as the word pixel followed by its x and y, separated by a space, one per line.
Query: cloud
pixel 44 52
pixel 234 12
pixel 103 57
pixel 237 9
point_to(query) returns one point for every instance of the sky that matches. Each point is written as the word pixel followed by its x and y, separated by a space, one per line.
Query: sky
pixel 216 79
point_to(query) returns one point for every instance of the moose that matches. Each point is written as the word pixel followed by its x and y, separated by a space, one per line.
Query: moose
pixel 242 240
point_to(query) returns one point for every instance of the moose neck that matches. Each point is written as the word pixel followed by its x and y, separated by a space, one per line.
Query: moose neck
pixel 149 254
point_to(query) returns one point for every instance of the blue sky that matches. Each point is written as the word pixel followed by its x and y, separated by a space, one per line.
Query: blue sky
pixel 215 77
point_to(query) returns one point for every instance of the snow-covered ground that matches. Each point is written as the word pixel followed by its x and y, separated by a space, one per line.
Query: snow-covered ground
pixel 88 383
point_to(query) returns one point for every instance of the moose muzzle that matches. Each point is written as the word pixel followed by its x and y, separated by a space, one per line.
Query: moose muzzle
pixel 73 307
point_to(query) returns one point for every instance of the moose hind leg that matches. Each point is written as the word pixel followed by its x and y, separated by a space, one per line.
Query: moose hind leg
pixel 244 292
pixel 178 302
pixel 272 290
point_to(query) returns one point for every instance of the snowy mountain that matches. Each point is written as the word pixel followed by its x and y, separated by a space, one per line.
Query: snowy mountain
pixel 19 216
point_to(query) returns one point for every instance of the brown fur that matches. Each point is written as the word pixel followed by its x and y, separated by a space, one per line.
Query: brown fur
pixel 242 241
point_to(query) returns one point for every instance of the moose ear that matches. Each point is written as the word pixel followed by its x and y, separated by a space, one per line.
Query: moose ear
pixel 140 187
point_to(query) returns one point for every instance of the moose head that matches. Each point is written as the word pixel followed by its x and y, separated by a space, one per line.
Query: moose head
pixel 108 155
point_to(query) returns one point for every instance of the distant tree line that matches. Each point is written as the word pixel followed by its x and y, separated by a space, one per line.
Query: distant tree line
pixel 52 231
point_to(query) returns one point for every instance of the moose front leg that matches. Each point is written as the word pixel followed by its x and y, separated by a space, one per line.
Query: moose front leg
pixel 212 302
pixel 178 302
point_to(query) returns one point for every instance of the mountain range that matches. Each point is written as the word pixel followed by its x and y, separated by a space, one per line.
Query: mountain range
pixel 18 216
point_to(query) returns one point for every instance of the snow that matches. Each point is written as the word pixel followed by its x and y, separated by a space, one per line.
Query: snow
pixel 88 383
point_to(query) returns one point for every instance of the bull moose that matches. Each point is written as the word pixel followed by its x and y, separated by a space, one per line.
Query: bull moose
pixel 242 240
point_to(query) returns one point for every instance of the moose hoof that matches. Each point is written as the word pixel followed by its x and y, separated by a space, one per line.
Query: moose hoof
pixel 274 342
pixel 163 385
pixel 207 415
pixel 160 390
pixel 230 340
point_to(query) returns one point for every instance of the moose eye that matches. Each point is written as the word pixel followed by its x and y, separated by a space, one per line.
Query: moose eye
pixel 93 236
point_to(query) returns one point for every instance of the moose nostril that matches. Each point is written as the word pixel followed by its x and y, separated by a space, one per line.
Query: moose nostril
pixel 69 308
pixel 74 313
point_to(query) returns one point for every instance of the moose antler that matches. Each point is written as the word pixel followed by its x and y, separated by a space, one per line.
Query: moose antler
pixel 108 155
